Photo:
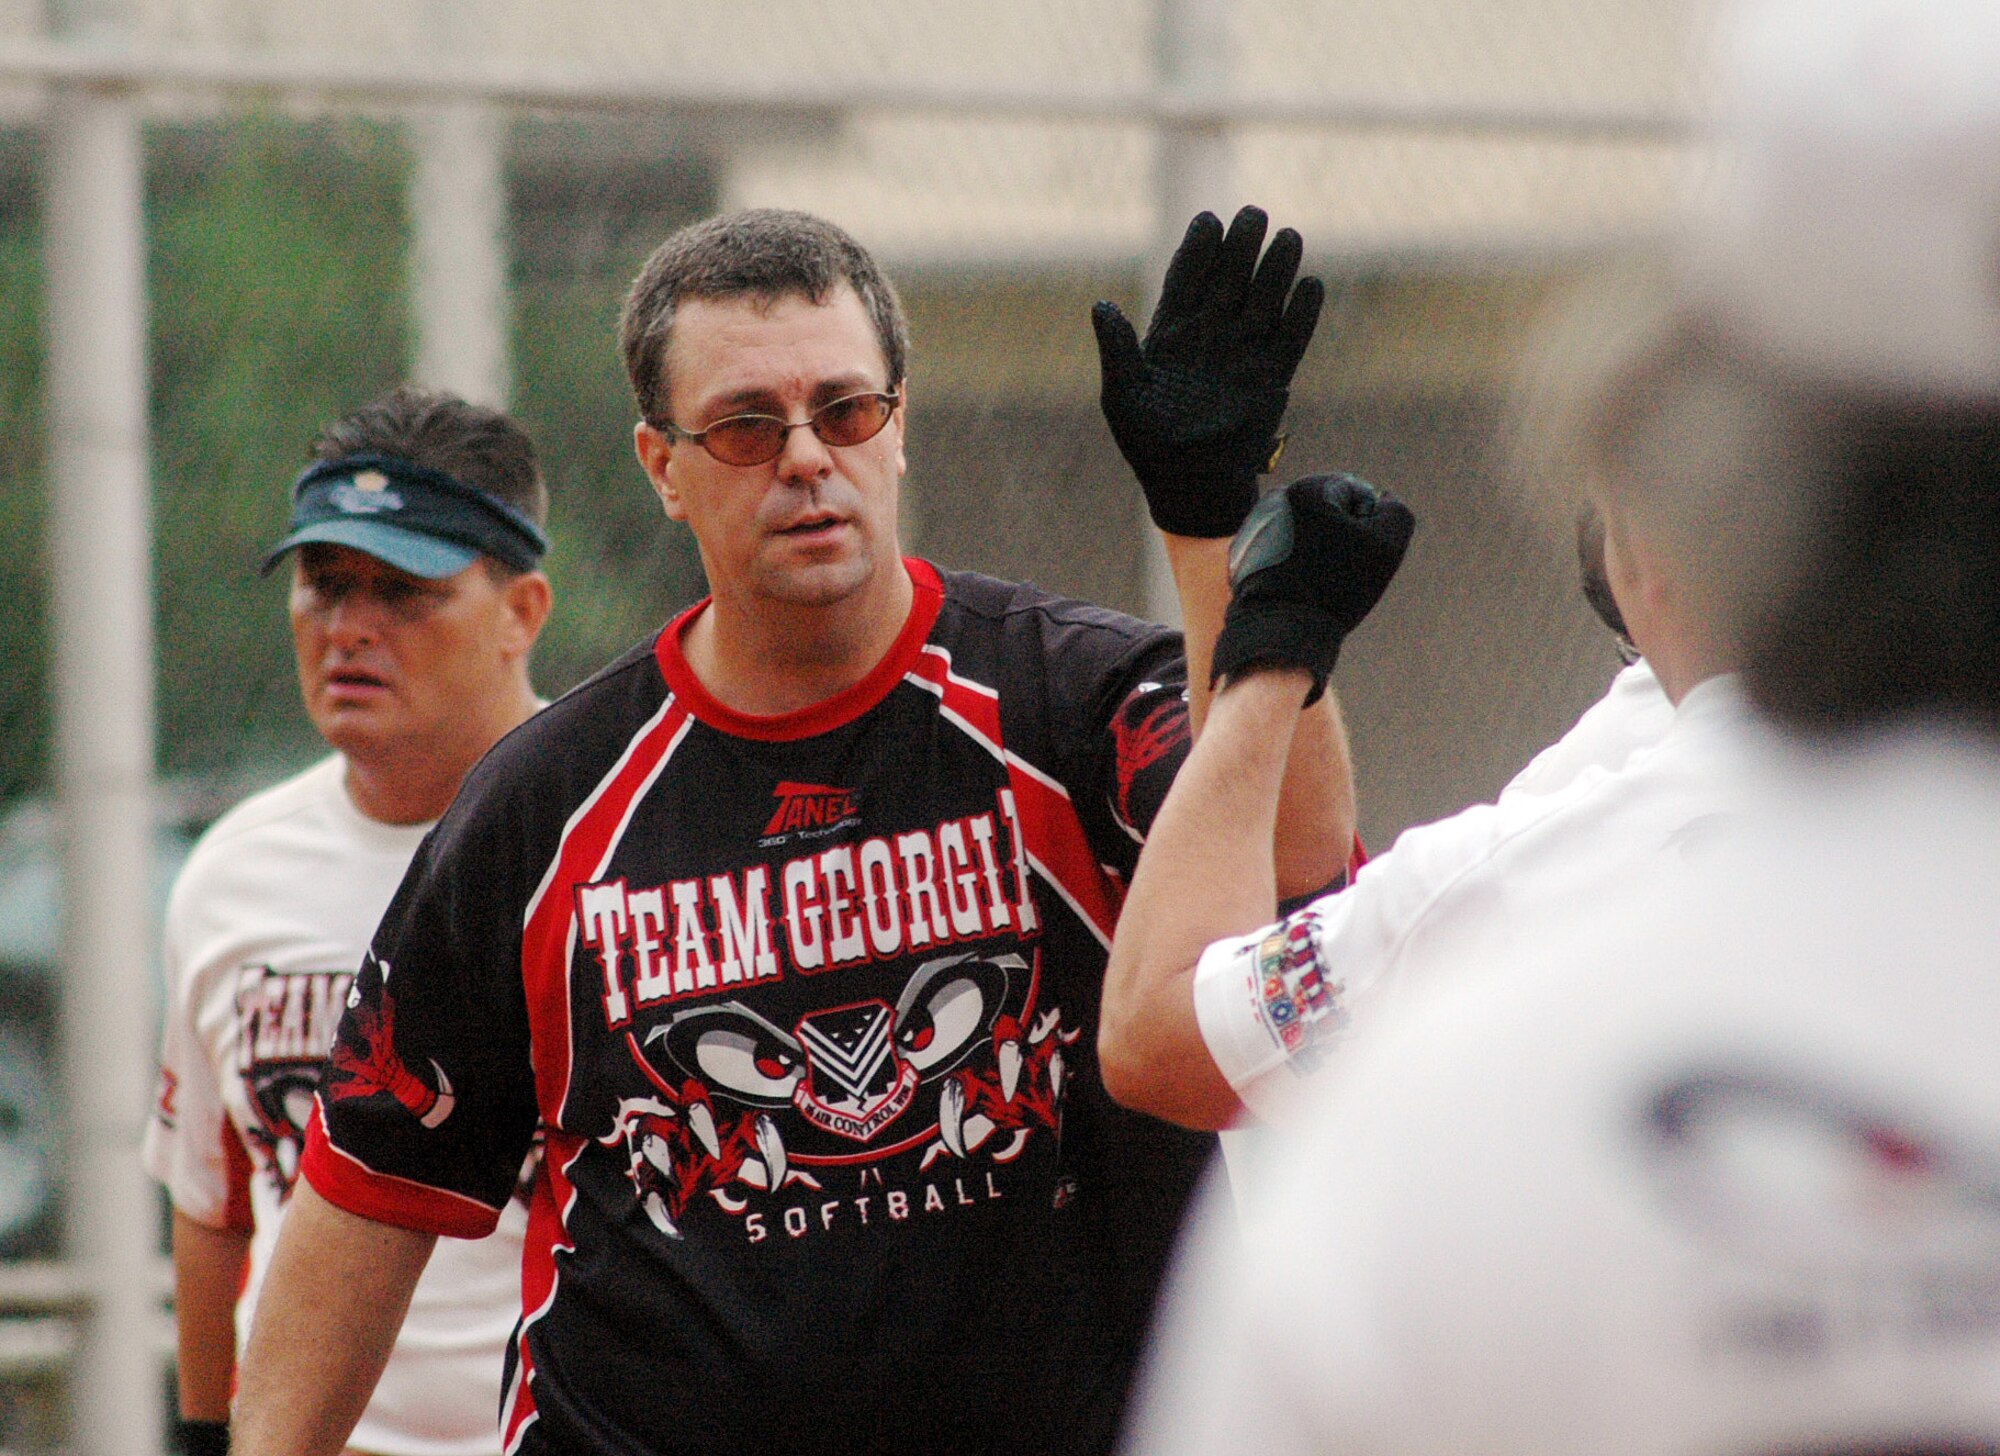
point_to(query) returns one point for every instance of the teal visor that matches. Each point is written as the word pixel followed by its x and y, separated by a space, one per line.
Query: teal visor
pixel 419 520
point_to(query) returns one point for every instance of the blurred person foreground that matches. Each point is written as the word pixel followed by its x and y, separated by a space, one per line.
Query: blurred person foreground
pixel 1711 1171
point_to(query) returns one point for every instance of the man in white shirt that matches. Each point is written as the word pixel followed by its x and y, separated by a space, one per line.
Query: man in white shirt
pixel 416 598
pixel 1714 1172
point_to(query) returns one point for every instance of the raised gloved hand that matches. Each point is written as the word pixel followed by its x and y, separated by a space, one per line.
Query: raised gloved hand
pixel 1309 564
pixel 1195 408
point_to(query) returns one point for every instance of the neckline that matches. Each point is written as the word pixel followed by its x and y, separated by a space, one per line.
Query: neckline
pixel 340 800
pixel 829 713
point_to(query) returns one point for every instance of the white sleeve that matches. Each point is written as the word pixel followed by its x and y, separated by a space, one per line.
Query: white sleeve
pixel 1272 1004
pixel 190 1145
pixel 1265 1000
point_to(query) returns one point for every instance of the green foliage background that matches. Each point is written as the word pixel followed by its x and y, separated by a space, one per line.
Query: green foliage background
pixel 276 267
pixel 23 654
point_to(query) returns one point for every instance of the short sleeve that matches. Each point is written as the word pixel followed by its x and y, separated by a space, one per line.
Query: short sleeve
pixel 190 1144
pixel 1133 741
pixel 427 1106
pixel 1272 1004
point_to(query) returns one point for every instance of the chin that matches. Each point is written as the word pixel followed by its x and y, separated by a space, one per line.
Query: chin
pixel 820 586
pixel 353 732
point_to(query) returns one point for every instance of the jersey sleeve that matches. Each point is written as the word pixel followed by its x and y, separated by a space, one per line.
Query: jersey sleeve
pixel 1271 1004
pixel 1128 735
pixel 427 1105
pixel 190 1144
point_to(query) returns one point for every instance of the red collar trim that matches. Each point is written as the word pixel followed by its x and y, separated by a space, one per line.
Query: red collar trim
pixel 821 717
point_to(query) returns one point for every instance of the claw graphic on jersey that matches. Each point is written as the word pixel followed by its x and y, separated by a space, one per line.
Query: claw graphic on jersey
pixel 673 1152
pixel 851 1074
pixel 773 1149
pixel 1142 741
pixel 376 1067
pixel 974 1105
pixel 1007 1044
pixel 701 1118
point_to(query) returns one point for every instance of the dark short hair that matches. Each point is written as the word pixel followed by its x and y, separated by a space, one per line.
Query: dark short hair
pixel 479 446
pixel 763 253
pixel 1893 609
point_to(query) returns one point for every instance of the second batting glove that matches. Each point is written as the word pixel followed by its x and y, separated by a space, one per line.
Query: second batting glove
pixel 1307 567
pixel 1195 409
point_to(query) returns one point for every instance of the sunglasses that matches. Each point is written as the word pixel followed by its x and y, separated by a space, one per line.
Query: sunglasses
pixel 757 439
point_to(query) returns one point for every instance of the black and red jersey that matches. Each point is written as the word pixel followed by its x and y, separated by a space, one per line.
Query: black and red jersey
pixel 808 1008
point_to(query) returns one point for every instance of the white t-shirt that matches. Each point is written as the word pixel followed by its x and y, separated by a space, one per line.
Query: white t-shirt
pixel 1716 1172
pixel 1584 818
pixel 265 928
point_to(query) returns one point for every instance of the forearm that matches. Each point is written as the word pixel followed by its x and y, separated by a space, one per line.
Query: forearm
pixel 1200 568
pixel 331 1307
pixel 1314 836
pixel 1206 872
pixel 208 1277
pixel 1314 832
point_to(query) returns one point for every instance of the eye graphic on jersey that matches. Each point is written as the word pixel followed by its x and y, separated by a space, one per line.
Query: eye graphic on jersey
pixel 947 1005
pixel 734 1050
pixel 967 1066
pixel 850 1070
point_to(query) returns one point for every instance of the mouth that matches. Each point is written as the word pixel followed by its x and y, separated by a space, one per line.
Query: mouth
pixel 353 683
pixel 812 528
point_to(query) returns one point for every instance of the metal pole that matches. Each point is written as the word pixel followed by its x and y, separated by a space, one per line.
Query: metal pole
pixel 458 206
pixel 100 553
pixel 731 107
pixel 1192 171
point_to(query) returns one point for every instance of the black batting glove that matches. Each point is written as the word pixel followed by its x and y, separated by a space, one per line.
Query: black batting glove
pixel 1195 409
pixel 1309 564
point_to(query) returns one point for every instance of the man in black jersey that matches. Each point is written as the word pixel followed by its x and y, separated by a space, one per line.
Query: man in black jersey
pixel 788 929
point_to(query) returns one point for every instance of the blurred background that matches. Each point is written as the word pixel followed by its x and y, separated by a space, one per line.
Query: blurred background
pixel 317 198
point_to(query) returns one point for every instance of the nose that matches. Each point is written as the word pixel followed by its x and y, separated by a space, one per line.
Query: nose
pixel 805 460
pixel 354 620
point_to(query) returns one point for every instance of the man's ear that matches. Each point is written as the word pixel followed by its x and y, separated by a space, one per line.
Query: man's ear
pixel 655 449
pixel 529 598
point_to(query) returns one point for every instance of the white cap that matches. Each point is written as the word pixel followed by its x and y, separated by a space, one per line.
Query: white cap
pixel 1855 232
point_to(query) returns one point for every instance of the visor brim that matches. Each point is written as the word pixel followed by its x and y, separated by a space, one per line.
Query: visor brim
pixel 419 555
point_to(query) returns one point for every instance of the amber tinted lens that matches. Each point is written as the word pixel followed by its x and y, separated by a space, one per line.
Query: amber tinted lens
pixel 745 439
pixel 854 419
